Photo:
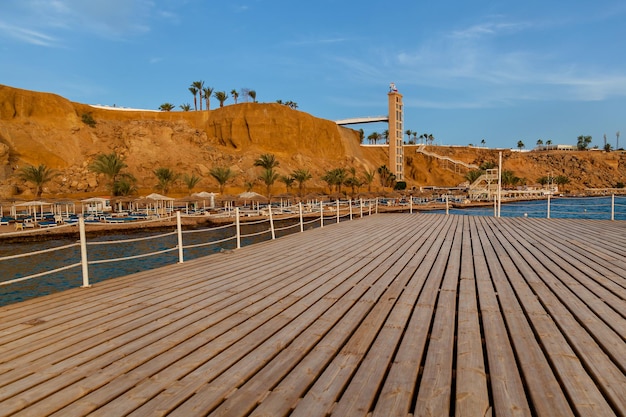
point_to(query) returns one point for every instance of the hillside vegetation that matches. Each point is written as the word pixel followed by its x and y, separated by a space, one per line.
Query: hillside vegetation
pixel 41 128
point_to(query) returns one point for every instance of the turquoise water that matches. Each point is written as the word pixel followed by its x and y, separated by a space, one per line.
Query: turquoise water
pixel 596 208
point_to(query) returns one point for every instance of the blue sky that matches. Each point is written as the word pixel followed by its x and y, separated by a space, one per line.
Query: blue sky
pixel 501 71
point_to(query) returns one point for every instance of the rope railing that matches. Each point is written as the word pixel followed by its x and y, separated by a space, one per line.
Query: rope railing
pixel 316 214
pixel 137 239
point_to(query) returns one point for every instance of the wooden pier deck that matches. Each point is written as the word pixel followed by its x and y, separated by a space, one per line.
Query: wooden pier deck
pixel 390 315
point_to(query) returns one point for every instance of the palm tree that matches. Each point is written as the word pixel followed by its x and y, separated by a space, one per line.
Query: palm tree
pixel 268 177
pixel 386 136
pixel 111 165
pixel 125 186
pixel 520 145
pixel 539 142
pixel 191 181
pixel 353 181
pixel 473 175
pixel 199 85
pixel 335 177
pixel 408 132
pixel 617 140
pixel 39 176
pixel 252 95
pixel 583 142
pixel 288 181
pixel 374 137
pixel 483 142
pixel 235 95
pixel 194 91
pixel 221 96
pixel 267 161
pixel 549 142
pixel 166 178
pixel 368 178
pixel 361 135
pixel 207 91
pixel 387 178
pixel 301 176
pixel 166 107
pixel 249 184
pixel 222 175
pixel 185 107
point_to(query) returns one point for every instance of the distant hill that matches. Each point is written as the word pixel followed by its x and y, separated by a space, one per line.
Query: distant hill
pixel 38 128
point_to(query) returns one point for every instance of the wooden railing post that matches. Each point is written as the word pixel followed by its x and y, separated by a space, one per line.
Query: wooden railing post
pixel 548 215
pixel 350 205
pixel 179 231
pixel 83 251
pixel 237 228
pixel 612 206
pixel 269 207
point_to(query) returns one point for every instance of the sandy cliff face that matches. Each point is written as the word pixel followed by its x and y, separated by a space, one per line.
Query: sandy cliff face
pixel 44 128
pixel 41 128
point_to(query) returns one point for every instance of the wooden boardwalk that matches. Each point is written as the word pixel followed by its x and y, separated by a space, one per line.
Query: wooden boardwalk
pixel 390 315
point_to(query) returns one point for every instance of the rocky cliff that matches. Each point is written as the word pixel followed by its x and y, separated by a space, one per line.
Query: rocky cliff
pixel 42 128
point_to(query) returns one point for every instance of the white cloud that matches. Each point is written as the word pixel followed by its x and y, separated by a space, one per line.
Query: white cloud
pixel 27 35
pixel 46 23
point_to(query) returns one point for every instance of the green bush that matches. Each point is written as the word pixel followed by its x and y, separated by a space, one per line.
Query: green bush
pixel 88 119
pixel 400 185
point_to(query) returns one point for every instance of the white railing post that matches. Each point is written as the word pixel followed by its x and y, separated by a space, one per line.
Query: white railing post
pixel 350 205
pixel 361 206
pixel 548 206
pixel 179 231
pixel 237 228
pixel 301 219
pixel 411 205
pixel 269 207
pixel 376 205
pixel 83 251
pixel 321 214
pixel 612 206
pixel 337 211
pixel 447 206
pixel 369 206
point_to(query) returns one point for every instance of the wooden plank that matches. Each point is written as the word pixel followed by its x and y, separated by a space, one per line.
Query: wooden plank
pixel 396 396
pixel 337 320
pixel 435 391
pixel 545 391
pixel 83 383
pixel 572 375
pixel 347 286
pixel 507 390
pixel 372 313
pixel 471 396
pixel 285 395
pixel 578 323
